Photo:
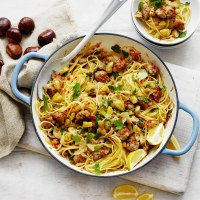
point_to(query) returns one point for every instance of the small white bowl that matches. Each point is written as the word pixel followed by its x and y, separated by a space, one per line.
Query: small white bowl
pixel 190 27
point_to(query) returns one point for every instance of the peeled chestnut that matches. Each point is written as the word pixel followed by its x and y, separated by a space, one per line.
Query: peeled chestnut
pixel 4 26
pixel 14 50
pixel 31 49
pixel 26 25
pixel 46 37
pixel 14 35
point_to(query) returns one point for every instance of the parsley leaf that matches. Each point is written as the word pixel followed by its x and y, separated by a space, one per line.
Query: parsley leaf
pixel 97 136
pixel 62 129
pixel 140 5
pixel 98 118
pixel 143 99
pixel 105 114
pixel 187 3
pixel 116 48
pixel 76 138
pixel 97 168
pixel 89 75
pixel 45 106
pixel 97 147
pixel 125 54
pixel 182 34
pixel 133 77
pixel 77 89
pixel 115 74
pixel 157 3
pixel 134 92
pixel 116 89
pixel 163 89
pixel 83 131
pixel 119 124
pixel 106 103
pixel 89 137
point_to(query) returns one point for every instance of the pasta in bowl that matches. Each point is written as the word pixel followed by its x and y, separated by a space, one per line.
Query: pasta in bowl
pixel 108 112
pixel 165 22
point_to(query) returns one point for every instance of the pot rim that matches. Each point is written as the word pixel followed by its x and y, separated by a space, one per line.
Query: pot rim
pixel 82 171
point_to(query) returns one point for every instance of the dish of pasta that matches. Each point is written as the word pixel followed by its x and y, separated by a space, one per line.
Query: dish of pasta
pixel 164 19
pixel 103 106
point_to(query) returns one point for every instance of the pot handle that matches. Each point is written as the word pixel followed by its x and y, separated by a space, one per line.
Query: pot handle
pixel 15 74
pixel 193 137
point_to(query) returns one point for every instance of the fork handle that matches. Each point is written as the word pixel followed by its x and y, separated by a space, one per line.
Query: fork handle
pixel 110 10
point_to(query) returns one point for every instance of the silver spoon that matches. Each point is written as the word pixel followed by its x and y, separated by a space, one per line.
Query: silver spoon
pixel 47 69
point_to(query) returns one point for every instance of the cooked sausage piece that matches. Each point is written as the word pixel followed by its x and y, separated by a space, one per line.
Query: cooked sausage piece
pixel 179 24
pixel 132 145
pixel 143 105
pixel 101 153
pixel 47 118
pixel 101 76
pixel 119 66
pixel 166 12
pixel 157 93
pixel 79 159
pixel 59 118
pixel 152 69
pixel 128 105
pixel 123 134
pixel 85 115
pixel 145 11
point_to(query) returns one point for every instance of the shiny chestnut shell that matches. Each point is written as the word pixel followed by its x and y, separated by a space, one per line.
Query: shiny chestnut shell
pixel 14 50
pixel 46 37
pixel 31 49
pixel 14 35
pixel 26 25
pixel 5 24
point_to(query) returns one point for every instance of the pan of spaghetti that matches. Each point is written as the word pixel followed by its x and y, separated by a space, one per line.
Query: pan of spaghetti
pixel 110 110
pixel 165 22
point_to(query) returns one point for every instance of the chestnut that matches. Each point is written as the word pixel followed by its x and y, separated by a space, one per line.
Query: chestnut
pixel 14 35
pixel 4 26
pixel 1 64
pixel 26 25
pixel 31 49
pixel 14 50
pixel 46 37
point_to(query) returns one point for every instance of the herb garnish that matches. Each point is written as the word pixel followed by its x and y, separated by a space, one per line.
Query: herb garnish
pixel 134 92
pixel 125 54
pixel 116 89
pixel 76 138
pixel 77 89
pixel 83 131
pixel 187 3
pixel 97 147
pixel 115 74
pixel 157 3
pixel 143 99
pixel 97 168
pixel 62 129
pixel 89 75
pixel 140 5
pixel 116 48
pixel 119 124
pixel 97 136
pixel 105 114
pixel 182 34
pixel 89 137
pixel 45 106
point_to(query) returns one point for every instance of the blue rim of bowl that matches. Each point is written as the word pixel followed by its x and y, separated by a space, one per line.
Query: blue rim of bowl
pixel 155 44
pixel 78 170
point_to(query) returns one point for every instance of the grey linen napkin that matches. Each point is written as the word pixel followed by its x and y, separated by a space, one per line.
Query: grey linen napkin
pixel 12 124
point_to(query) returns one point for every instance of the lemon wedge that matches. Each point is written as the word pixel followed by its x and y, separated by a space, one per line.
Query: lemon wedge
pixel 125 192
pixel 173 143
pixel 135 157
pixel 145 196
pixel 155 135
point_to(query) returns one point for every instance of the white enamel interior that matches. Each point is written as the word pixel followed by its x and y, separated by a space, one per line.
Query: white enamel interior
pixel 191 26
pixel 108 41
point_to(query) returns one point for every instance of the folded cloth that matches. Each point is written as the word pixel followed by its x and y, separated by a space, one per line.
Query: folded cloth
pixel 12 124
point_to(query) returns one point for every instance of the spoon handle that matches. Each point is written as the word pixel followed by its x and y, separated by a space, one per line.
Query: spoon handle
pixel 110 10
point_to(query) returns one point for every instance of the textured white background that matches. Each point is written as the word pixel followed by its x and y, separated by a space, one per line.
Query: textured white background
pixel 26 175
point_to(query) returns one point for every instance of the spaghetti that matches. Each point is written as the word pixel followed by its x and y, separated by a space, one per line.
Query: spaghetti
pixel 164 19
pixel 100 107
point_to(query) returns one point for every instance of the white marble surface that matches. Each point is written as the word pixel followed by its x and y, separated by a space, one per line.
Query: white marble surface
pixel 26 175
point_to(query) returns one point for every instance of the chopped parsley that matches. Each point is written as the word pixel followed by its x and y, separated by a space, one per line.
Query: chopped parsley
pixel 97 147
pixel 115 74
pixel 76 138
pixel 116 89
pixel 133 77
pixel 97 168
pixel 125 54
pixel 182 34
pixel 62 129
pixel 116 48
pixel 163 89
pixel 134 92
pixel 187 3
pixel 65 74
pixel 76 89
pixel 83 131
pixel 98 118
pixel 106 103
pixel 119 124
pixel 105 114
pixel 157 3
pixel 45 106
pixel 89 137
pixel 140 5
pixel 97 136
pixel 89 75
pixel 143 99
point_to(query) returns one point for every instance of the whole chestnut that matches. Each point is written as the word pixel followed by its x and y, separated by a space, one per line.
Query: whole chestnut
pixel 4 26
pixel 14 35
pixel 14 50
pixel 26 25
pixel 46 37
pixel 31 49
pixel 1 64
